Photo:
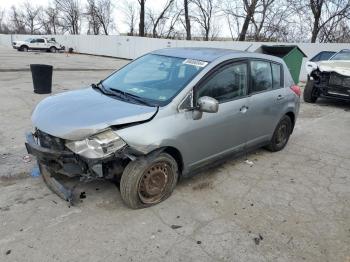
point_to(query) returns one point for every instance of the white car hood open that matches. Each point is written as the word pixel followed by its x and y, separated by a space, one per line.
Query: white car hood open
pixel 341 67
pixel 78 114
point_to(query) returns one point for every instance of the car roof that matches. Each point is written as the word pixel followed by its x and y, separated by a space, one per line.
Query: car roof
pixel 198 53
pixel 210 54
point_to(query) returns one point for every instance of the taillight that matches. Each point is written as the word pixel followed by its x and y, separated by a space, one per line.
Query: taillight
pixel 296 89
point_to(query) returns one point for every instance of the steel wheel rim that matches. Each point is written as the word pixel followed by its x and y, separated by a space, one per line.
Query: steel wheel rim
pixel 282 134
pixel 154 182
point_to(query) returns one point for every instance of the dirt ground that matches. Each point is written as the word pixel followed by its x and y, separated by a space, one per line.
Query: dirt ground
pixel 288 206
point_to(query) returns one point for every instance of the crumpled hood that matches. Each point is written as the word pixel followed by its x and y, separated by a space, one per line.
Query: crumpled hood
pixel 341 67
pixel 78 114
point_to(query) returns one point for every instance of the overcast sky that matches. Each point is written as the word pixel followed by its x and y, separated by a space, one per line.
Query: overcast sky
pixel 119 15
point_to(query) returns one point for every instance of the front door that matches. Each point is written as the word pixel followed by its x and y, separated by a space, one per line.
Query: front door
pixel 224 132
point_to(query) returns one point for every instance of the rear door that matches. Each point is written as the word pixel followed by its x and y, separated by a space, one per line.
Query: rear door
pixel 267 98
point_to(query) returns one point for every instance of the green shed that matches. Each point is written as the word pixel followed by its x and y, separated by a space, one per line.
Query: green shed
pixel 291 54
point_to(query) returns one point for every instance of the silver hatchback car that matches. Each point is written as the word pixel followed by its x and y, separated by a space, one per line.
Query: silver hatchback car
pixel 164 116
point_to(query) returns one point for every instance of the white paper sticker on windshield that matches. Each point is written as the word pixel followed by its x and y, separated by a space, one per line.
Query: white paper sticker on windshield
pixel 136 90
pixel 193 62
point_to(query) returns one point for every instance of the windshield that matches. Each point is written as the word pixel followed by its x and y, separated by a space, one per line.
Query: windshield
pixel 28 40
pixel 342 55
pixel 155 78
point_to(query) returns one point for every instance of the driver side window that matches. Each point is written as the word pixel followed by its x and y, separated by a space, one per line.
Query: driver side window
pixel 230 82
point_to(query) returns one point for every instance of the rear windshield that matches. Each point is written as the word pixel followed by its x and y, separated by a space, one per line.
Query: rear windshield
pixel 155 77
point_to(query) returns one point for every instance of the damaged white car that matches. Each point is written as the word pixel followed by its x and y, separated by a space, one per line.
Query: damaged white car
pixel 330 79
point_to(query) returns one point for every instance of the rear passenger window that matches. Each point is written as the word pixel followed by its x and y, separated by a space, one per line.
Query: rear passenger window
pixel 261 76
pixel 227 84
pixel 276 76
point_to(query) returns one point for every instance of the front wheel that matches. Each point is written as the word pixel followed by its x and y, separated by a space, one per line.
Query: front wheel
pixel 24 48
pixel 53 49
pixel 310 94
pixel 281 135
pixel 148 180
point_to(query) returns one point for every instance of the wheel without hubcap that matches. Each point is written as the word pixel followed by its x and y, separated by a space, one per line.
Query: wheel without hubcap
pixel 148 180
pixel 153 183
pixel 281 135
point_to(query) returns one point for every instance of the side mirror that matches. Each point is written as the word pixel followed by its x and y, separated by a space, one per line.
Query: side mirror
pixel 208 104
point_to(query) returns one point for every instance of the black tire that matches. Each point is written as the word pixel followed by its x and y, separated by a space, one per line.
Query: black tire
pixel 53 49
pixel 24 48
pixel 281 135
pixel 310 94
pixel 133 181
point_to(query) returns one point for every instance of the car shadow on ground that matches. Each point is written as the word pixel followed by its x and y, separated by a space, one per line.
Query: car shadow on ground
pixel 333 103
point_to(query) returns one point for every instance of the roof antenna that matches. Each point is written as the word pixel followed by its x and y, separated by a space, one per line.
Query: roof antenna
pixel 248 47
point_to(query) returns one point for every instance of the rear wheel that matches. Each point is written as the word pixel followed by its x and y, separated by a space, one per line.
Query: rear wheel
pixel 310 92
pixel 281 135
pixel 148 180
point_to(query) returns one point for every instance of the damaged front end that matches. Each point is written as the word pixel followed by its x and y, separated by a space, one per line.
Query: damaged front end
pixel 331 84
pixel 103 155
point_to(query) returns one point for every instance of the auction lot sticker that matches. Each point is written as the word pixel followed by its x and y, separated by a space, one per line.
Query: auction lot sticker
pixel 194 62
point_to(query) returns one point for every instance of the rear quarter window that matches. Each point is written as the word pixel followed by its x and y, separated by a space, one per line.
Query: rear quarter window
pixel 277 75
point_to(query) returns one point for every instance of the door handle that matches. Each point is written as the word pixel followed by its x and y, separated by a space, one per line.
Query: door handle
pixel 243 109
pixel 280 97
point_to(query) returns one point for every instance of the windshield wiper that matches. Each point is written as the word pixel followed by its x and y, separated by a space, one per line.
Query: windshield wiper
pixel 134 97
pixel 101 87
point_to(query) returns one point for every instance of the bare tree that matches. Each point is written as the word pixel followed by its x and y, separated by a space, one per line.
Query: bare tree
pixel 70 15
pixel 93 20
pixel 337 31
pixel 142 18
pixel 130 12
pixel 320 14
pixel 187 20
pixel 17 21
pixel 99 14
pixel 31 17
pixel 161 17
pixel 104 10
pixel 336 9
pixel 175 18
pixel 48 19
pixel 263 14
pixel 204 14
pixel 2 16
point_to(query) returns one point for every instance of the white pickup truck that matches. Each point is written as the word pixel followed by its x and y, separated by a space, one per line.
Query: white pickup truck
pixel 38 44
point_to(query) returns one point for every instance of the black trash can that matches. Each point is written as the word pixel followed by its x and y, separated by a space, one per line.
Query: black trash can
pixel 42 78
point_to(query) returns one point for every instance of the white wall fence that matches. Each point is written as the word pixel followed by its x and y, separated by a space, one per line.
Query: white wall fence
pixel 130 47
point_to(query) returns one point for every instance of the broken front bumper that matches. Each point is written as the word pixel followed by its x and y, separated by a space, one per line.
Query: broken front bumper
pixel 43 153
pixel 44 156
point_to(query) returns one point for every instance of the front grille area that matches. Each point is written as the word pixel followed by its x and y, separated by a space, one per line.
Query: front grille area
pixel 49 141
pixel 339 80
